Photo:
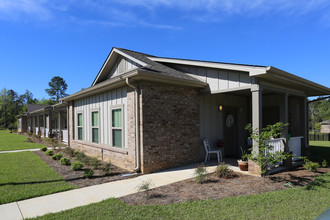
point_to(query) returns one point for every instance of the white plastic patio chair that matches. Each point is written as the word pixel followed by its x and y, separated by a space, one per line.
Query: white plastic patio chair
pixel 209 151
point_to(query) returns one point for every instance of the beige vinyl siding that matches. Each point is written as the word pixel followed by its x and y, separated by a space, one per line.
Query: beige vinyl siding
pixel 218 79
pixel 122 65
pixel 103 102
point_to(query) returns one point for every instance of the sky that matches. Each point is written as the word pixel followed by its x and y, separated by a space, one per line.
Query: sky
pixel 40 39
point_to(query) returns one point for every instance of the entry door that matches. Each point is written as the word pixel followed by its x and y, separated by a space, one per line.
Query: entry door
pixel 230 131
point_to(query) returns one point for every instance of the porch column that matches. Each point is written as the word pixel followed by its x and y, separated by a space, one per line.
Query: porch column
pixel 285 119
pixel 306 133
pixel 44 118
pixel 59 123
pixel 50 122
pixel 38 117
pixel 256 111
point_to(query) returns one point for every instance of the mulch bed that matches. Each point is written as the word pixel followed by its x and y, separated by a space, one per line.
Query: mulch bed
pixel 216 188
pixel 77 177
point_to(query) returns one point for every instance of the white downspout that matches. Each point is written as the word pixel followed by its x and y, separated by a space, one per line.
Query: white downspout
pixel 137 125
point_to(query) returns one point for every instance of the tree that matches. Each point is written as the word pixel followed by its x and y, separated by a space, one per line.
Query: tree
pixel 57 88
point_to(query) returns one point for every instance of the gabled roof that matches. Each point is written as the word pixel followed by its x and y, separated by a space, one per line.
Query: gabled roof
pixel 160 69
pixel 146 63
pixel 326 122
pixel 34 107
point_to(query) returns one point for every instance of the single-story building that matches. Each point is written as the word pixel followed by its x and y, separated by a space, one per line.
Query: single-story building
pixel 325 126
pixel 149 113
pixel 44 120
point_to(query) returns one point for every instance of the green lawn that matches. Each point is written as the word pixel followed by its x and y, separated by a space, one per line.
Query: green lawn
pixel 12 141
pixel 297 203
pixel 320 150
pixel 24 175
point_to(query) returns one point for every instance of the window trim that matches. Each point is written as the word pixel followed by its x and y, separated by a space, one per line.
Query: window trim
pixel 91 125
pixel 114 107
pixel 82 126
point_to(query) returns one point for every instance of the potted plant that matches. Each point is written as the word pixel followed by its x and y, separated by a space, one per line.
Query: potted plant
pixel 243 163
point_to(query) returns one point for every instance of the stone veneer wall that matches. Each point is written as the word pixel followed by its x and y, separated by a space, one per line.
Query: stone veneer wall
pixel 121 157
pixel 170 126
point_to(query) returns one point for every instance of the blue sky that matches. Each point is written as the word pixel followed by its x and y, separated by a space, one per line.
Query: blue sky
pixel 40 39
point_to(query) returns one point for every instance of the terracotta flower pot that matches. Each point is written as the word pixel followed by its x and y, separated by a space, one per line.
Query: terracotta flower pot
pixel 243 165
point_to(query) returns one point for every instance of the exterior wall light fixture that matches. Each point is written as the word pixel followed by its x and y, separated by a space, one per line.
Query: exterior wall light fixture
pixel 220 108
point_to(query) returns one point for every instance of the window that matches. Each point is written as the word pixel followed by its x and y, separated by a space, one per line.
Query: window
pixel 95 127
pixel 117 127
pixel 80 126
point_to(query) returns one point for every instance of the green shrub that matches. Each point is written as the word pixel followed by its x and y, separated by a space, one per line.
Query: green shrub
pixel 310 165
pixel 200 174
pixel 223 171
pixel 49 152
pixel 324 163
pixel 65 161
pixel 69 151
pixel 81 156
pixel 106 167
pixel 88 173
pixel 94 163
pixel 76 165
pixel 43 148
pixel 57 156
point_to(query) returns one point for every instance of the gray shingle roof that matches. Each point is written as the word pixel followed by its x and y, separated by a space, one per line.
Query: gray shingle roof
pixel 156 67
pixel 35 107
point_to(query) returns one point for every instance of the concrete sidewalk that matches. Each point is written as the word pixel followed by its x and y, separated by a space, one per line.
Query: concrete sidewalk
pixel 87 195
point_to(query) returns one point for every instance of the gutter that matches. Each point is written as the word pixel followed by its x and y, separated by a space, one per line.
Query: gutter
pixel 137 125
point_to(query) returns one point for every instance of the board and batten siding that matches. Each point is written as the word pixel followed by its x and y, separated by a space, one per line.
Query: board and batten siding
pixel 102 102
pixel 218 79
pixel 122 65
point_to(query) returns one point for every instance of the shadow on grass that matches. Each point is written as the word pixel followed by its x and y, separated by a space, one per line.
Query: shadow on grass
pixel 33 182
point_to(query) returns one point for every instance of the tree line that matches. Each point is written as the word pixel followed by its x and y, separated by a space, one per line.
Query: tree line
pixel 13 104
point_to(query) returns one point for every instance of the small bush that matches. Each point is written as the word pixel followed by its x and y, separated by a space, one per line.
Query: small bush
pixel 69 151
pixel 106 167
pixel 49 152
pixel 200 174
pixel 89 173
pixel 223 171
pixel 77 165
pixel 94 163
pixel 29 133
pixel 81 156
pixel 65 161
pixel 57 156
pixel 310 165
pixel 324 163
pixel 43 148
pixel 145 186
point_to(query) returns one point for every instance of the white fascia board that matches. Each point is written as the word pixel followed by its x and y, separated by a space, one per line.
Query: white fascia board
pixel 209 64
pixel 129 57
pixel 297 79
pixel 115 50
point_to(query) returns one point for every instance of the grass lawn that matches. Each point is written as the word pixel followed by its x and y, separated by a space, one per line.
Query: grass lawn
pixel 24 175
pixel 12 141
pixel 296 203
pixel 320 150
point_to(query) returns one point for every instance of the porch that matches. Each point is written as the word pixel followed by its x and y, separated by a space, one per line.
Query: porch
pixel 223 117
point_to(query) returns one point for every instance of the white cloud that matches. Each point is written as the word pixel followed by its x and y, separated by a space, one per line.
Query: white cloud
pixel 13 9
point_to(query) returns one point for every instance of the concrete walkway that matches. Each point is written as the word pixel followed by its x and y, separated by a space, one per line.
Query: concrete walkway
pixel 79 197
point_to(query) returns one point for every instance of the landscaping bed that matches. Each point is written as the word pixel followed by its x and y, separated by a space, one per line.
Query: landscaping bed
pixel 77 177
pixel 218 188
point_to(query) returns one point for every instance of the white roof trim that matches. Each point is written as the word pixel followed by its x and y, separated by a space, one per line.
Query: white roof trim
pixel 115 50
pixel 210 64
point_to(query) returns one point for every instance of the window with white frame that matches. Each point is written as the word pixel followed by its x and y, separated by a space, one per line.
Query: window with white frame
pixel 80 126
pixel 117 127
pixel 95 127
